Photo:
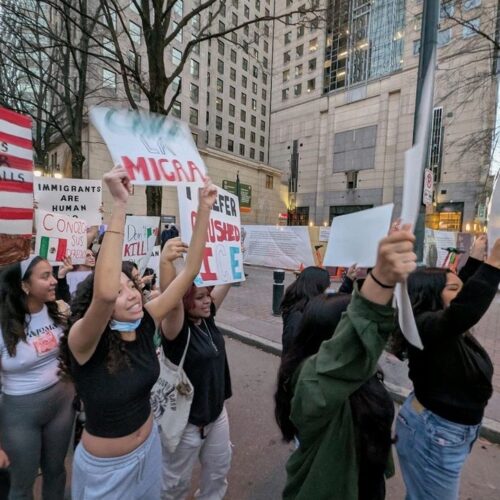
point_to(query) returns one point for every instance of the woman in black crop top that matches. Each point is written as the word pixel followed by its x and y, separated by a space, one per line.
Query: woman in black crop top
pixel 439 422
pixel 111 356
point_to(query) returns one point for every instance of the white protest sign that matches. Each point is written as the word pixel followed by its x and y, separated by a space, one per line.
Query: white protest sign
pixel 282 247
pixel 222 260
pixel 494 214
pixel 58 235
pixel 154 259
pixel 428 186
pixel 140 238
pixel 155 149
pixel 324 233
pixel 354 237
pixel 443 241
pixel 81 198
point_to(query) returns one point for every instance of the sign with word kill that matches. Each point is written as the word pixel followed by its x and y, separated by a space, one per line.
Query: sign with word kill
pixel 140 237
pixel 155 150
pixel 58 236
pixel 222 260
pixel 81 198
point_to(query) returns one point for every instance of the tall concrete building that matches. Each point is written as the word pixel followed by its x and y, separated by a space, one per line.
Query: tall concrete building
pixel 343 101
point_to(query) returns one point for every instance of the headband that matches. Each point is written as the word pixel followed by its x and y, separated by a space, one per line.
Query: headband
pixel 25 264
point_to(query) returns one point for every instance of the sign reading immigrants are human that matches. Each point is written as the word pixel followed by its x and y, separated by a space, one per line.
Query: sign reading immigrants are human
pixel 222 259
pixel 155 150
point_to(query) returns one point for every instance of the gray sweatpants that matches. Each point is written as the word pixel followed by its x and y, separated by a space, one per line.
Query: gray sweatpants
pixel 35 430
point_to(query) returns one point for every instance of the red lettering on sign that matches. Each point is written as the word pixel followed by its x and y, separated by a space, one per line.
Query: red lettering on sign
pixel 205 272
pixel 140 167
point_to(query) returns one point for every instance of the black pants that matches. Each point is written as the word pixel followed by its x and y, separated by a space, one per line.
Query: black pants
pixel 4 484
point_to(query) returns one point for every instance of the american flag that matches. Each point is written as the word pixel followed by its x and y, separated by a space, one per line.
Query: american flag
pixel 16 174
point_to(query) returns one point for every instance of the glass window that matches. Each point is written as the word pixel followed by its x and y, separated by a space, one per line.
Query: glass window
pixel 255 71
pixel 244 81
pixel 300 31
pixel 471 28
pixel 470 4
pixel 195 22
pixel 254 88
pixel 220 85
pixel 311 84
pixel 243 115
pixel 447 9
pixel 178 37
pixel 194 68
pixel 222 27
pixel 264 94
pixel 230 127
pixel 208 100
pixel 230 145
pixel 264 78
pixel 262 141
pixel 232 92
pixel 298 70
pixel 242 132
pixel 234 19
pixel 288 37
pixel 256 37
pixel 252 153
pixel 242 149
pixel 218 122
pixel 262 125
pixel 135 32
pixel 246 11
pixel 243 98
pixel 233 55
pixel 263 110
pixel 218 141
pixel 444 37
pixel 194 92
pixel 252 137
pixel 266 46
pixel 108 79
pixel 178 7
pixel 232 74
pixel 286 57
pixel 285 93
pixel 311 65
pixel 299 51
pixel 297 89
pixel 416 47
pixel 220 47
pixel 266 30
pixel 234 37
pixel 313 45
pixel 218 103
pixel 254 104
pixel 261 156
pixel 246 30
pixel 232 110
pixel 193 116
pixel 253 120
pixel 220 66
pixel 177 84
pixel 176 56
pixel 244 64
pixel 176 109
pixel 288 19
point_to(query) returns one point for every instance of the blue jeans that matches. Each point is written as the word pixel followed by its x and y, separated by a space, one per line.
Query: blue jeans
pixel 432 452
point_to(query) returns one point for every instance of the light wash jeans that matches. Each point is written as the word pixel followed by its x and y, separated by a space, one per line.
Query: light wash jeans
pixel 134 476
pixel 432 452
pixel 214 452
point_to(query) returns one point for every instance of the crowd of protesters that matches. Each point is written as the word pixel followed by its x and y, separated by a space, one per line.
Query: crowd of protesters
pixel 89 337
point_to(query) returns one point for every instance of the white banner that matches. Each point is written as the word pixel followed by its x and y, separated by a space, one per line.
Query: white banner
pixel 81 198
pixel 354 237
pixel 58 235
pixel 155 150
pixel 285 247
pixel 223 260
pixel 140 238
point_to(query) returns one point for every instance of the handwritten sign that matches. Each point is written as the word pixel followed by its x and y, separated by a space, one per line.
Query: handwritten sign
pixel 140 238
pixel 81 198
pixel 59 235
pixel 222 261
pixel 155 149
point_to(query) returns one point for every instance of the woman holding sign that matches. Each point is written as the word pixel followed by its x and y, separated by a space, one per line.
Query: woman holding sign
pixel 110 353
pixel 207 433
pixel 439 422
pixel 36 414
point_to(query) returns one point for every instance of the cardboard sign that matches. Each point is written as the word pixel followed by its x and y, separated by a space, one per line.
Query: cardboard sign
pixel 139 239
pixel 154 259
pixel 354 237
pixel 223 260
pixel 281 247
pixel 81 198
pixel 155 149
pixel 58 235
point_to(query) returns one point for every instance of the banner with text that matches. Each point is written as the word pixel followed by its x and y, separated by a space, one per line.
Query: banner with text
pixel 81 198
pixel 223 260
pixel 140 238
pixel 58 235
pixel 286 247
pixel 155 150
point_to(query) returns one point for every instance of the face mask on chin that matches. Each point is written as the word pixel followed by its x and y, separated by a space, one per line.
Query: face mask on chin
pixel 124 326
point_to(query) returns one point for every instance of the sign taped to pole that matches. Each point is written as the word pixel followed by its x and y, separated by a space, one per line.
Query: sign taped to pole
pixel 139 239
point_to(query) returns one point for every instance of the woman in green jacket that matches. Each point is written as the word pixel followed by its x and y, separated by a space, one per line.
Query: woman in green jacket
pixel 327 462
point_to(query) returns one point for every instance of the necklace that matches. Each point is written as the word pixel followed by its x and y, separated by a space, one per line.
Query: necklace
pixel 207 334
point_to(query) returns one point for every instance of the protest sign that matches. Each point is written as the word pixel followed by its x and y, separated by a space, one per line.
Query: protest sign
pixel 324 233
pixel 222 260
pixel 494 214
pixel 286 247
pixel 354 237
pixel 154 259
pixel 81 198
pixel 140 238
pixel 155 149
pixel 58 235
pixel 16 186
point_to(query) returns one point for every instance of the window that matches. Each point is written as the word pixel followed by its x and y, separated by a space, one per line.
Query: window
pixel 196 46
pixel 233 55
pixel 288 19
pixel 311 85
pixel 242 132
pixel 244 64
pixel 313 45
pixel 266 46
pixel 311 65
pixel 243 115
pixel 232 92
pixel 178 37
pixel 252 137
pixel 286 57
pixel 298 71
pixel 218 141
pixel 220 85
pixel 444 37
pixel 195 138
pixel 314 24
pixel 255 71
pixel 246 30
pixel 108 47
pixel 447 9
pixel 222 27
pixel 264 94
pixel 177 84
pixel 244 81
pixel 262 125
pixel 232 110
pixel 220 47
pixel 300 31
pixel 257 4
pixel 235 3
pixel 207 119
pixel 471 28
pixel 263 110
pixel 297 89
pixel 254 105
pixel 470 4
pixel 178 7
pixel 218 122
pixel 234 19
pixel 253 120
pixel 209 59
pixel 230 145
pixel 243 98
pixel 265 62
pixel 194 92
pixel 261 156
pixel 269 181
pixel 195 22
pixel 230 127
pixel 109 79
pixel 134 60
pixel 285 93
pixel 264 78
pixel 299 51
pixel 436 143
pixel 232 74
pixel 218 103
pixel 194 68
pixel 351 179
pixel 134 32
pixel 254 88
pixel 288 37
pixel 242 149
pixel 252 153
pixel 193 116
pixel 133 7
pixel 256 37
pixel 289 3
pixel 234 37
pixel 220 66
pixel 262 141
pixel 266 30
pixel 208 78
pixel 176 109
pixel 246 11
pixel 416 47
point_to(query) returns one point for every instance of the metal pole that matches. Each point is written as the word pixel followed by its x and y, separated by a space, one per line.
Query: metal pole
pixel 278 289
pixel 428 42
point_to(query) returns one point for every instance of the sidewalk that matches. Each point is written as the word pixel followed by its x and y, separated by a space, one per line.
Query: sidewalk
pixel 247 314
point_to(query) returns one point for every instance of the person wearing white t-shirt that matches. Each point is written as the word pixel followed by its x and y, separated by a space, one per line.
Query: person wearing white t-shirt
pixel 36 408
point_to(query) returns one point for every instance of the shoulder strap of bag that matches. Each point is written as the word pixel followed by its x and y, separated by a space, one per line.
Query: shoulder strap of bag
pixel 181 364
pixel 157 342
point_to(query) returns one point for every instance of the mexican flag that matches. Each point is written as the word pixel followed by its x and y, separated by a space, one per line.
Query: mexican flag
pixel 53 249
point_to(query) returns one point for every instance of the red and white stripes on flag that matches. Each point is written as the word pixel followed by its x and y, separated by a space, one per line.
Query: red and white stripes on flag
pixel 16 174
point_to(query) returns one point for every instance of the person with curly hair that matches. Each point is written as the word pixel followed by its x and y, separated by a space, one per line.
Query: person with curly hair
pixel 111 356
pixel 36 413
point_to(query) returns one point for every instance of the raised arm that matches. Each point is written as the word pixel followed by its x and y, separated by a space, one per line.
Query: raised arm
pixel 219 293
pixel 159 307
pixel 86 332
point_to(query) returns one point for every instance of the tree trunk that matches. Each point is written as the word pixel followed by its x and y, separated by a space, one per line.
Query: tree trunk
pixel 77 160
pixel 153 200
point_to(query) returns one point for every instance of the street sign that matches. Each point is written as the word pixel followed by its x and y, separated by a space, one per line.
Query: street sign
pixel 428 186
pixel 245 194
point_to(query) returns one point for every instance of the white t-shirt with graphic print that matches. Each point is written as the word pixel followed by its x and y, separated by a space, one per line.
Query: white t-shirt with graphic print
pixel 35 365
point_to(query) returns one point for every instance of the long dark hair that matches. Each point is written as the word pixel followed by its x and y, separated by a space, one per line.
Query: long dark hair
pixel 117 357
pixel 321 317
pixel 14 312
pixel 312 281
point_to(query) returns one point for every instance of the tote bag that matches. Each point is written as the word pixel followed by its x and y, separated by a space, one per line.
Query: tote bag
pixel 171 399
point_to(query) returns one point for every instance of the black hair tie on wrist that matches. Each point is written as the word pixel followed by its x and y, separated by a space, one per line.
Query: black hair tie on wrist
pixel 379 283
